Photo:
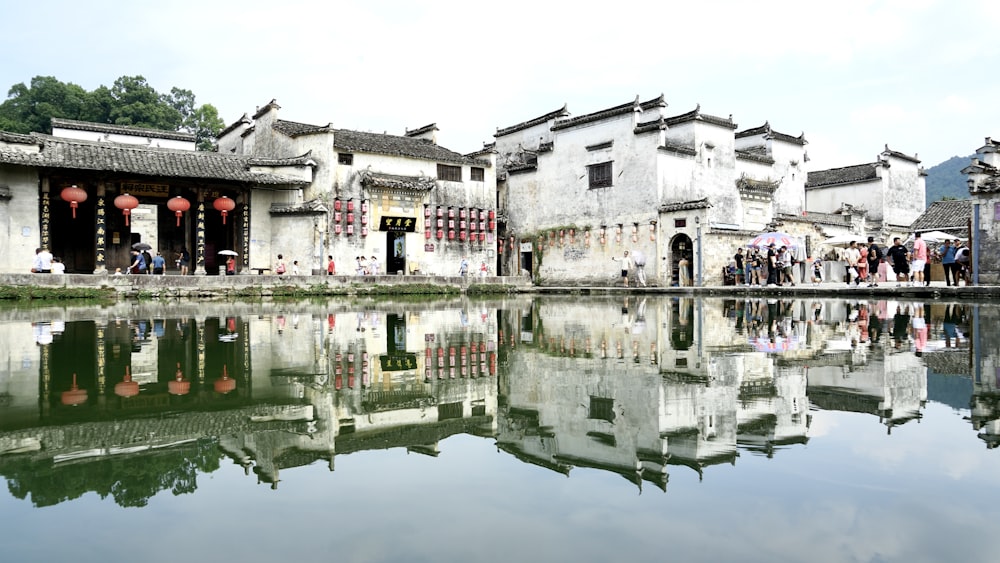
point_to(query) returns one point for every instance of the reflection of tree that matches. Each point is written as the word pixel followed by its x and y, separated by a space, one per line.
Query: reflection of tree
pixel 130 479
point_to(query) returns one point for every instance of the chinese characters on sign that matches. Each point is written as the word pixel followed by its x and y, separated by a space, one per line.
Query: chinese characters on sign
pixel 399 224
pixel 399 362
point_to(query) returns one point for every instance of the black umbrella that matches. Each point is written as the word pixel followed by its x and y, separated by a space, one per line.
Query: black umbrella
pixel 140 246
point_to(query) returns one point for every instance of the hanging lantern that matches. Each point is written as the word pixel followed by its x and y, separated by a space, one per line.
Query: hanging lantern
pixel 225 384
pixel 427 211
pixel 427 233
pixel 451 212
pixel 126 387
pixel 440 212
pixel 364 218
pixel 364 231
pixel 364 206
pixel 225 204
pixel 75 196
pixel 493 225
pixel 178 385
pixel 337 216
pixel 126 203
pixel 461 213
pixel 337 229
pixel 178 205
pixel 350 218
pixel 451 234
pixel 350 205
pixel 461 224
pixel 482 236
pixel 350 228
pixel 492 215
pixel 461 235
pixel 337 205
pixel 75 396
pixel 440 234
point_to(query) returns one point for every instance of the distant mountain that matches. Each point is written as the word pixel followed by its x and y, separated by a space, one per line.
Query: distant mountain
pixel 946 179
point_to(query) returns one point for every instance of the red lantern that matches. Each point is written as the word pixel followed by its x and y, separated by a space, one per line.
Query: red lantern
pixel 126 387
pixel 364 231
pixel 451 212
pixel 75 396
pixel 427 233
pixel 337 204
pixel 440 211
pixel 427 211
pixel 350 228
pixel 461 235
pixel 350 205
pixel 224 384
pixel 225 204
pixel 493 225
pixel 337 229
pixel 451 234
pixel 492 215
pixel 178 205
pixel 126 203
pixel 440 234
pixel 350 218
pixel 178 385
pixel 482 236
pixel 75 196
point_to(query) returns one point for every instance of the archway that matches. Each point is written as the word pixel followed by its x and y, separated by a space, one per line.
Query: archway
pixel 680 246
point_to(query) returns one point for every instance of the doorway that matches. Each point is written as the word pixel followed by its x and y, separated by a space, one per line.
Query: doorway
pixel 680 247
pixel 395 243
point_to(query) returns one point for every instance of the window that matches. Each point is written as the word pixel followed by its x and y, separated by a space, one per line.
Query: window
pixel 478 174
pixel 602 409
pixel 345 158
pixel 449 173
pixel 680 223
pixel 600 175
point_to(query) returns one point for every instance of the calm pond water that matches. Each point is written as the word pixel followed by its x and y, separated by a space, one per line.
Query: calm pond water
pixel 522 429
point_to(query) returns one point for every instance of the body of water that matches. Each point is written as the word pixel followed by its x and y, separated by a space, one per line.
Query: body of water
pixel 530 428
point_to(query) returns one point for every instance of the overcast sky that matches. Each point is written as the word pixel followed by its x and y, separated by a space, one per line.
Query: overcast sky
pixel 853 75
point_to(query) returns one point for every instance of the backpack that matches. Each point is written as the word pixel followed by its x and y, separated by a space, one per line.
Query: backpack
pixel 281 268
pixel 876 251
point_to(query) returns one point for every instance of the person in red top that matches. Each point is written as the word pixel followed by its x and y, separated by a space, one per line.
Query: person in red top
pixel 331 268
pixel 919 259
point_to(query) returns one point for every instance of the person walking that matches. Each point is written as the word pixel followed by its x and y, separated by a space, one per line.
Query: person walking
pixel 785 266
pixel 373 266
pixel 852 255
pixel 331 268
pixel 463 267
pixel 626 264
pixel 184 260
pixel 159 264
pixel 862 263
pixel 899 257
pixel 875 255
pixel 740 267
pixel 948 262
pixel 919 259
pixel 772 265
pixel 279 267
pixel 295 268
pixel 684 268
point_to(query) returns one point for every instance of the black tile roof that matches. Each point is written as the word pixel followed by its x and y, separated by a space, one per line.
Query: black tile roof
pixel 944 215
pixel 897 154
pixel 17 138
pixel 769 133
pixel 397 182
pixel 696 115
pixel 75 154
pixel 678 149
pixel 346 140
pixel 756 154
pixel 846 175
pixel 245 119
pixel 686 205
pixel 633 106
pixel 311 207
pixel 552 115
pixel 122 130
pixel 393 145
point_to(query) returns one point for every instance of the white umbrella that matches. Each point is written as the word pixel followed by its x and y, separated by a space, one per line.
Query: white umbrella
pixel 229 253
pixel 844 240
pixel 939 236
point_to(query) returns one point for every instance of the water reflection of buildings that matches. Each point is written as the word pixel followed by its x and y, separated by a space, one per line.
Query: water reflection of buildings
pixel 277 388
pixel 649 389
pixel 627 385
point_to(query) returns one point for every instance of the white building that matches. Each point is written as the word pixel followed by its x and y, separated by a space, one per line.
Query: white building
pixel 584 189
pixel 412 204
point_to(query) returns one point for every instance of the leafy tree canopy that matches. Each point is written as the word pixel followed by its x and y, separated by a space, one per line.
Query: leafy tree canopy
pixel 129 101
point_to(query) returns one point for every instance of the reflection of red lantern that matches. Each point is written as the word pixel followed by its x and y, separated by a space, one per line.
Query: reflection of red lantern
pixel 225 384
pixel 75 396
pixel 178 385
pixel 126 387
pixel 75 196
pixel 126 203
pixel 225 204
pixel 178 205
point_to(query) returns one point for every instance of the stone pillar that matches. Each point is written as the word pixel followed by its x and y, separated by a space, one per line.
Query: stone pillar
pixel 100 236
pixel 199 245
pixel 45 217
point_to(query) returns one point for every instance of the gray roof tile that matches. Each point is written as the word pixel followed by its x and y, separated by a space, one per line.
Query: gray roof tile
pixel 167 163
pixel 846 175
pixel 944 215
pixel 122 130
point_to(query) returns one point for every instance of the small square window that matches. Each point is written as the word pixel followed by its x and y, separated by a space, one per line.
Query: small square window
pixel 449 173
pixel 345 158
pixel 478 174
pixel 602 409
pixel 680 223
pixel 600 175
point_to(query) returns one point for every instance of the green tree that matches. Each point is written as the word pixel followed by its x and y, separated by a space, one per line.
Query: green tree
pixel 129 101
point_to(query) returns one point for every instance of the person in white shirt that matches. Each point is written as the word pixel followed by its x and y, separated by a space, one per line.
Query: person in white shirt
pixel 373 266
pixel 58 267
pixel 43 261
pixel 853 254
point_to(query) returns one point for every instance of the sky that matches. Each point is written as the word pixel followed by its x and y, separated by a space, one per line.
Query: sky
pixel 853 75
